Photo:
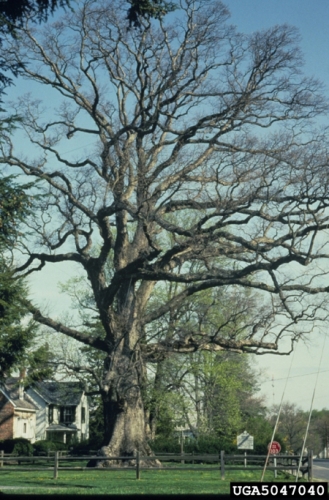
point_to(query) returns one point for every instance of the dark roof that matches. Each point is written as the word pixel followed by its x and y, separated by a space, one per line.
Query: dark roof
pixel 62 428
pixel 11 388
pixel 60 393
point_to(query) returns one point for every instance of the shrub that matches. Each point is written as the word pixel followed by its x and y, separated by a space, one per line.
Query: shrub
pixel 204 444
pixel 165 445
pixel 43 446
pixel 84 447
pixel 209 445
pixel 17 446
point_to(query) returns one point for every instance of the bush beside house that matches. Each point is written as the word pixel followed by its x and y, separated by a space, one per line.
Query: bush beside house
pixel 19 446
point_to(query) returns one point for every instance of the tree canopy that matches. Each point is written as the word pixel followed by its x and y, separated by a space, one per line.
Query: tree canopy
pixel 13 13
pixel 17 333
pixel 144 9
pixel 15 205
pixel 205 173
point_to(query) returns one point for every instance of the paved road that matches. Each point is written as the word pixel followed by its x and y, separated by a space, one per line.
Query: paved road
pixel 321 469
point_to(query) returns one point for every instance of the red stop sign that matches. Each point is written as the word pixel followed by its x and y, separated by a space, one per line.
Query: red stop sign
pixel 274 448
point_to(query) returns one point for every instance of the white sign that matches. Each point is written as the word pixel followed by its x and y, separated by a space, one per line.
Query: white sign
pixel 245 441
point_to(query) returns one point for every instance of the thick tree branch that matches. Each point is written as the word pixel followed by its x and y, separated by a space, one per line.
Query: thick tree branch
pixel 86 339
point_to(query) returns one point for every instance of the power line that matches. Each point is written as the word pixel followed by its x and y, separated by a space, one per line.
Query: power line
pixel 79 147
pixel 295 376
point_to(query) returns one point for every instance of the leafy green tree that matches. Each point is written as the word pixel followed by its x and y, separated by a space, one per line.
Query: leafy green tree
pixel 17 332
pixel 213 388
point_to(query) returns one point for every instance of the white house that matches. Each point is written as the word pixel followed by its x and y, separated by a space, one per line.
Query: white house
pixel 52 410
pixel 63 411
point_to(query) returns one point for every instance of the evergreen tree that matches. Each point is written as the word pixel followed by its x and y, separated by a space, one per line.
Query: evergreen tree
pixel 14 338
pixel 12 14
pixel 17 333
pixel 15 206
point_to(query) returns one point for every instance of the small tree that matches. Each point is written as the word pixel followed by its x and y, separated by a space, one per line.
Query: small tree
pixel 205 174
pixel 292 426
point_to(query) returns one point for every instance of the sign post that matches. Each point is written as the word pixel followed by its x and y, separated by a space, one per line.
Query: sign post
pixel 245 442
pixel 274 448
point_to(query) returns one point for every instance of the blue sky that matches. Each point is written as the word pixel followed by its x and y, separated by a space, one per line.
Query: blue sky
pixel 311 17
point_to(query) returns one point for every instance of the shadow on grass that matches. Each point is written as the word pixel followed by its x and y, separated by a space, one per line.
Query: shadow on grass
pixel 46 483
pixel 59 485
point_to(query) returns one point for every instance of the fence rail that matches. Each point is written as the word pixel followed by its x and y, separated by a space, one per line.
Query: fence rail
pixel 224 462
pixel 281 462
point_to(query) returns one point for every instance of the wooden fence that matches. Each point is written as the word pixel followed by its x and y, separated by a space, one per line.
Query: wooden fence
pixel 287 463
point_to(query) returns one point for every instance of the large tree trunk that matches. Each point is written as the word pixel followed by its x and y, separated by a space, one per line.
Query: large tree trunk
pixel 124 369
pixel 124 417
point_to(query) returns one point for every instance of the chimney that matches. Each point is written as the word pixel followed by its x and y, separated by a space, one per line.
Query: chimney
pixel 22 375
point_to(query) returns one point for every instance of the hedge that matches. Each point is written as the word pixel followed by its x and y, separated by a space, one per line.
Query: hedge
pixel 17 446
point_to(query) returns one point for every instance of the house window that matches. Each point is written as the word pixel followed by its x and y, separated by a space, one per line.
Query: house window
pixel 83 415
pixel 51 414
pixel 24 428
pixel 67 414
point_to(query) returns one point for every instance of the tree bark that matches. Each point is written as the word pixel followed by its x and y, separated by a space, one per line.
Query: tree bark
pixel 124 416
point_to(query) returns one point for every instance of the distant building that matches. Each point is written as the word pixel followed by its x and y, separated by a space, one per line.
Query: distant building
pixel 52 410
pixel 17 412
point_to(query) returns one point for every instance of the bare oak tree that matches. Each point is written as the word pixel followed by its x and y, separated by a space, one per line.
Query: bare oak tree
pixel 205 173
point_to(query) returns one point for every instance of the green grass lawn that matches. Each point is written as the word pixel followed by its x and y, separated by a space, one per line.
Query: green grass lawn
pixel 153 482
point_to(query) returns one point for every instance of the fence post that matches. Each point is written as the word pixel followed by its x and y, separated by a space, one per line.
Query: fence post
pixel 137 465
pixel 310 465
pixel 275 470
pixel 2 454
pixel 222 464
pixel 56 465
